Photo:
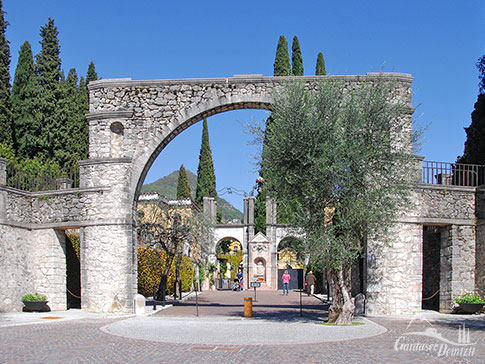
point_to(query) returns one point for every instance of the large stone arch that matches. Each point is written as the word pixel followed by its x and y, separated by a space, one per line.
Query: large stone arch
pixel 194 115
pixel 130 122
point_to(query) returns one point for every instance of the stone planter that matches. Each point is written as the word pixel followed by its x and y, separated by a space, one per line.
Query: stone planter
pixel 36 306
pixel 470 307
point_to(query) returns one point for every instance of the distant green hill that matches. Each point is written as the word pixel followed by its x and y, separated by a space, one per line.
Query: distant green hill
pixel 167 186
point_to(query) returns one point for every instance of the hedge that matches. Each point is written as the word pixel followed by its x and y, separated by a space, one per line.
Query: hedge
pixel 150 264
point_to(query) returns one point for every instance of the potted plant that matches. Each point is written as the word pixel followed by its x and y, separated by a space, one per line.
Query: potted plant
pixel 35 302
pixel 469 303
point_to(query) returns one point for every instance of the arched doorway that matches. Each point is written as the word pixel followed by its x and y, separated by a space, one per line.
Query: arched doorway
pixel 291 259
pixel 229 254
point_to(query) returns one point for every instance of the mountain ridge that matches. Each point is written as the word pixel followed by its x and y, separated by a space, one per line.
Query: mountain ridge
pixel 167 186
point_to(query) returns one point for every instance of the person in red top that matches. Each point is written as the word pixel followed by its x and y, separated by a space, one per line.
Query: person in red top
pixel 286 282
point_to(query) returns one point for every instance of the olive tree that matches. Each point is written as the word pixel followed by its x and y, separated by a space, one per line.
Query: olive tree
pixel 338 158
pixel 177 230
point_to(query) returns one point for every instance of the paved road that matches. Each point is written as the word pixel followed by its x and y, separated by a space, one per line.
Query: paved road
pixel 83 341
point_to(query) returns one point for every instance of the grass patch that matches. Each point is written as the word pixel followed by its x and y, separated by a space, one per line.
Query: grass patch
pixel 334 324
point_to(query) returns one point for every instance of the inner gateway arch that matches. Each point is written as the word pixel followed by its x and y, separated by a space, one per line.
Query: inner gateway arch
pixel 130 122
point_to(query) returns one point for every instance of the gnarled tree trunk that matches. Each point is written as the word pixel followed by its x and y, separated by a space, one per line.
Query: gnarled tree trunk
pixel 342 310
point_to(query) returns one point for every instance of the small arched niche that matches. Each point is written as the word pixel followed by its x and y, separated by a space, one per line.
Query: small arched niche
pixel 117 132
pixel 260 270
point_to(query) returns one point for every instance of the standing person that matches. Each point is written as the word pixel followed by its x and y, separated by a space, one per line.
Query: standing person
pixel 239 277
pixel 286 282
pixel 310 283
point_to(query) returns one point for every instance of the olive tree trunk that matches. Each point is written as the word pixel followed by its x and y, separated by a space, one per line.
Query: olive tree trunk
pixel 342 310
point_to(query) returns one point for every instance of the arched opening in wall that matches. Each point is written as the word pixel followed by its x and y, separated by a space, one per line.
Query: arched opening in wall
pixel 229 253
pixel 235 177
pixel 290 258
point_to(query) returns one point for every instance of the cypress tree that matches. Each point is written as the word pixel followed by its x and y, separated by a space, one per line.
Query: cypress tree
pixel 260 212
pixel 475 135
pixel 183 187
pixel 282 59
pixel 206 179
pixel 25 105
pixel 83 109
pixel 296 58
pixel 320 68
pixel 48 69
pixel 91 75
pixel 67 141
pixel 474 152
pixel 6 129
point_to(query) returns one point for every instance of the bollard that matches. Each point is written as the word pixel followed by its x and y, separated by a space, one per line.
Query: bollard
pixel 248 307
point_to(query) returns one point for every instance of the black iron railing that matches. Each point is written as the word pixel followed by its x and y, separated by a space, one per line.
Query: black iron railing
pixel 454 174
pixel 45 180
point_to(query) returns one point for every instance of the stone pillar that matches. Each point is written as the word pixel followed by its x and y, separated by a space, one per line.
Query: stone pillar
pixel 108 268
pixel 108 247
pixel 419 169
pixel 3 171
pixel 249 216
pixel 394 271
pixel 480 242
pixel 210 208
pixel 457 274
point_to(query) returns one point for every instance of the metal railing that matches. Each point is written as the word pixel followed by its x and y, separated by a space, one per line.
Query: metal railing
pixel 45 180
pixel 453 174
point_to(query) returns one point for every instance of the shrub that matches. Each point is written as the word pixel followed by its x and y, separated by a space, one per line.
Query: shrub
pixel 469 298
pixel 34 297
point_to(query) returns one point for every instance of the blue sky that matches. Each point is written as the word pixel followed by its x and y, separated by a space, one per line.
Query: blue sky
pixel 438 42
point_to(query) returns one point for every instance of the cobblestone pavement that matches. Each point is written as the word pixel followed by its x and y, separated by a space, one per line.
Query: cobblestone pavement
pixel 83 341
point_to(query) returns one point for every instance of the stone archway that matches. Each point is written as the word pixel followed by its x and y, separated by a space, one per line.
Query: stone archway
pixel 130 122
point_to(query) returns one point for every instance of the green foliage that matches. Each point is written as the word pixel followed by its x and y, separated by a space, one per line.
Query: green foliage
pixel 296 58
pixel 320 68
pixel 91 75
pixel 206 179
pixel 152 262
pixel 481 74
pixel 183 187
pixel 26 110
pixel 282 59
pixel 330 158
pixel 234 261
pixel 6 130
pixel 34 297
pixel 25 165
pixel 48 69
pixel 474 152
pixel 469 298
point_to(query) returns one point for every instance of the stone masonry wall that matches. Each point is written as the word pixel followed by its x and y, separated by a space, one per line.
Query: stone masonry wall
pixel 32 261
pixel 446 202
pixel 457 263
pixel 60 208
pixel 394 271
